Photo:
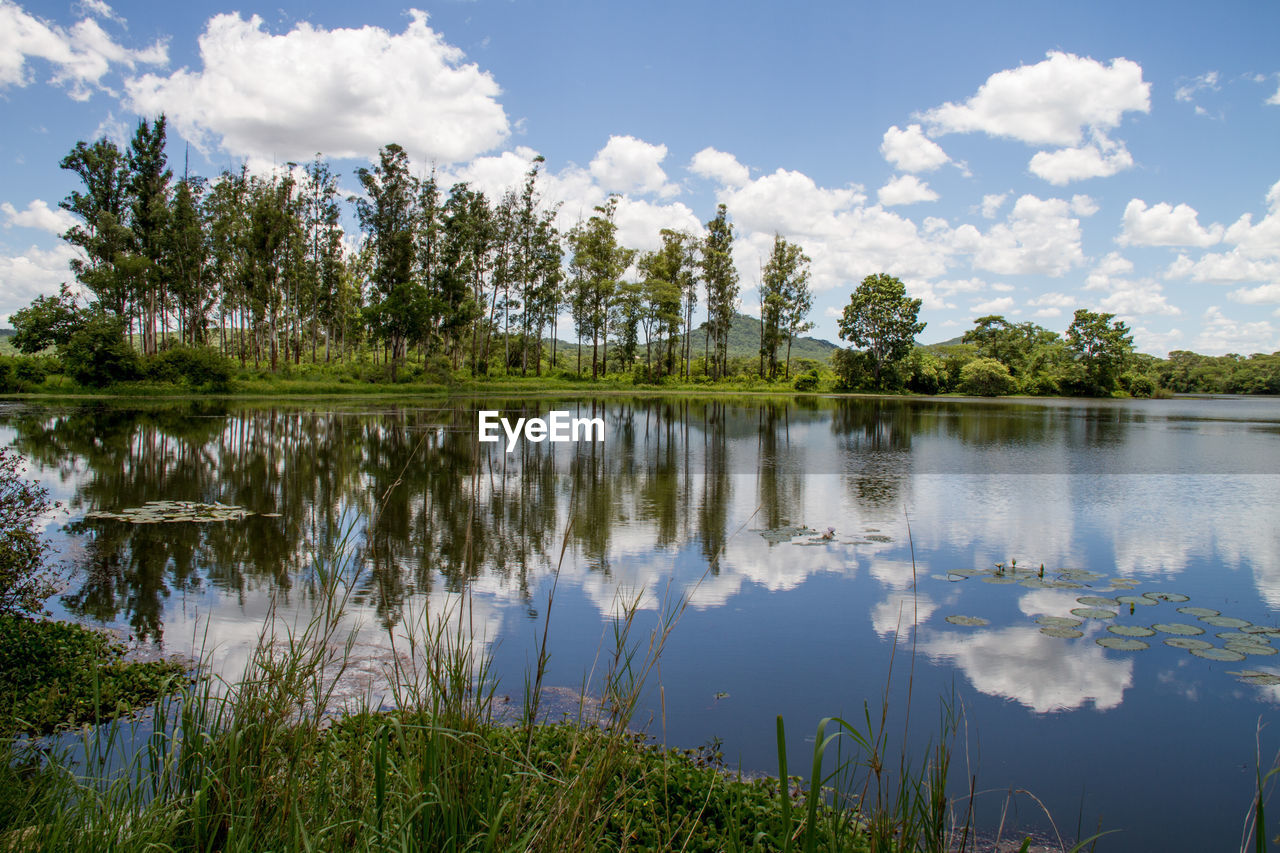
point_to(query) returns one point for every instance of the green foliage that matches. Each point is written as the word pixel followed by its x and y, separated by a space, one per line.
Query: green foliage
pixel 49 321
pixel 808 381
pixel 56 674
pixel 986 377
pixel 97 354
pixel 855 370
pixel 882 320
pixel 197 367
pixel 25 580
pixel 1102 347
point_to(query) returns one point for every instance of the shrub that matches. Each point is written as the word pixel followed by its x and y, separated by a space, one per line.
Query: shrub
pixel 986 377
pixel 1139 384
pixel 808 381
pixel 98 355
pixel 198 367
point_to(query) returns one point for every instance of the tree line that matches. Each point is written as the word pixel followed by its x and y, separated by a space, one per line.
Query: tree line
pixel 259 269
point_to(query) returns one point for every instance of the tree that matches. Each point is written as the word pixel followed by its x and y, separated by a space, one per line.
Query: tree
pixel 882 320
pixel 721 280
pixel 1102 347
pixel 986 377
pixel 149 223
pixel 786 300
pixel 597 267
pixel 103 233
pixel 48 321
pixel 97 354
pixel 25 581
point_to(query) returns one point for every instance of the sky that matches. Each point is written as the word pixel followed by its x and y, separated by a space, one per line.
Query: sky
pixel 1022 158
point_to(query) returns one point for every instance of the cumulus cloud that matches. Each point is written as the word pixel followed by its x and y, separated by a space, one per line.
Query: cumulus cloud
pixel 1050 103
pixel 992 203
pixel 911 151
pixel 1137 298
pixel 1255 252
pixel 999 305
pixel 1220 334
pixel 1165 225
pixel 719 166
pixel 1101 159
pixel 343 92
pixel 35 272
pixel 1039 237
pixel 627 164
pixel 1274 100
pixel 1083 205
pixel 80 57
pixel 905 189
pixel 1262 295
pixel 38 215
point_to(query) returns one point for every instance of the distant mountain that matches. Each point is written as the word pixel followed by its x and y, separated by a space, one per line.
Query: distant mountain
pixel 744 342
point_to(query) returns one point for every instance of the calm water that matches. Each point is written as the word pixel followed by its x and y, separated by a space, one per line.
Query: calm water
pixel 688 496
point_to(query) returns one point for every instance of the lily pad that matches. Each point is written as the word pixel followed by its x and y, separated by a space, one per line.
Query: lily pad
pixel 1178 628
pixel 1136 599
pixel 156 512
pixel 1097 601
pixel 998 579
pixel 1250 648
pixel 966 573
pixel 1124 644
pixel 1187 643
pixel 1241 637
pixel 1079 574
pixel 1199 611
pixel 1123 583
pixel 1130 630
pixel 1094 613
pixel 1260 629
pixel 1225 621
pixel 1035 583
pixel 1058 621
pixel 1215 653
pixel 1061 584
pixel 1061 632
pixel 1253 676
pixel 968 621
pixel 1167 596
pixel 782 534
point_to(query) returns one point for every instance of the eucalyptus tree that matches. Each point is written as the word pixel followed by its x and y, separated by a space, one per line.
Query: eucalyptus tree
pixel 598 265
pixel 468 228
pixel 397 308
pixel 186 261
pixel 323 269
pixel 668 276
pixel 148 221
pixel 785 302
pixel 721 280
pixel 274 257
pixel 102 232
pixel 226 216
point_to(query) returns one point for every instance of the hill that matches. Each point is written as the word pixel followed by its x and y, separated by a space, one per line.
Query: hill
pixel 744 342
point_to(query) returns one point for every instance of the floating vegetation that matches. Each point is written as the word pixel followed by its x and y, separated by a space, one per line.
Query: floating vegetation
pixel 965 573
pixel 1225 621
pixel 1249 648
pixel 877 537
pixel 1178 628
pixel 968 621
pixel 1058 621
pixel 1064 585
pixel 1215 653
pixel 1242 637
pixel 1123 583
pixel 1097 601
pixel 1137 599
pixel 1254 676
pixel 1061 632
pixel 1123 644
pixel 774 535
pixel 1079 574
pixel 154 512
pixel 1166 596
pixel 1094 613
pixel 1130 630
pixel 998 579
pixel 1260 629
pixel 1187 643
pixel 1199 611
pixel 1036 583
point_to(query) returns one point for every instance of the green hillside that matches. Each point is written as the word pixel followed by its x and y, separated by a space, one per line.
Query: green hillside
pixel 744 342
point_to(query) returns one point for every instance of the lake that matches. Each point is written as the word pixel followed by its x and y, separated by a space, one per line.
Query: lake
pixel 810 537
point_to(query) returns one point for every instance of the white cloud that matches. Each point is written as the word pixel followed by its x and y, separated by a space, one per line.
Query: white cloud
pixel 911 151
pixel 719 166
pixel 1262 295
pixel 1114 264
pixel 627 164
pixel 35 272
pixel 1163 224
pixel 81 56
pixel 38 215
pixel 1083 205
pixel 1156 343
pixel 1101 159
pixel 1053 300
pixel 1040 237
pixel 905 189
pixel 1220 334
pixel 1255 256
pixel 1274 100
pixel 992 306
pixel 639 222
pixel 992 203
pixel 1137 298
pixel 343 92
pixel 1049 103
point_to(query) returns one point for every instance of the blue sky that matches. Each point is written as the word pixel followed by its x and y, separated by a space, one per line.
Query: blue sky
pixel 1020 158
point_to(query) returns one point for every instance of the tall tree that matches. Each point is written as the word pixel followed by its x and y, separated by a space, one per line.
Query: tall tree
pixel 598 265
pixel 1103 347
pixel 149 177
pixel 721 280
pixel 881 319
pixel 103 232
pixel 786 300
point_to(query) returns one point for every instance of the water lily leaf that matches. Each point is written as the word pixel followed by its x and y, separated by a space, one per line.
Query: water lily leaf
pixel 1056 584
pixel 1094 613
pixel 1215 653
pixel 1097 601
pixel 1187 643
pixel 1199 611
pixel 1167 596
pixel 1178 628
pixel 1123 583
pixel 1061 632
pixel 1130 630
pixel 1249 648
pixel 1124 644
pixel 1225 621
pixel 968 621
pixel 1137 599
pixel 1260 629
pixel 1058 621
pixel 1035 583
pixel 1262 679
pixel 1241 637
pixel 998 579
pixel 1079 574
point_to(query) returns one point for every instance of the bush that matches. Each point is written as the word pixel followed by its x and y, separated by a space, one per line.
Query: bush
pixel 197 367
pixel 808 381
pixel 25 582
pixel 986 377
pixel 98 355
pixel 1139 384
